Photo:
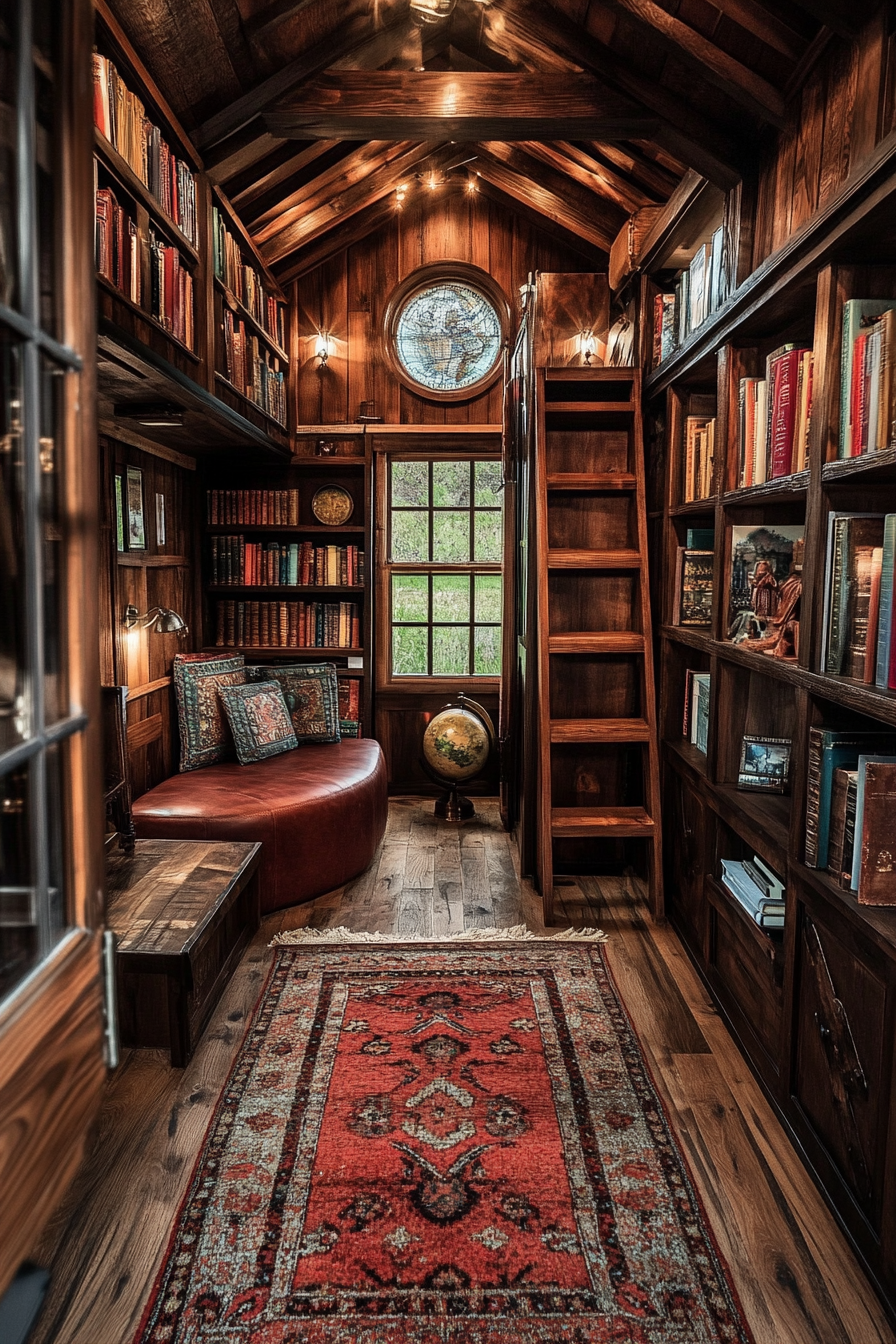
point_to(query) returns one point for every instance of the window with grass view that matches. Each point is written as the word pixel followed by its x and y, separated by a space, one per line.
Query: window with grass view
pixel 445 545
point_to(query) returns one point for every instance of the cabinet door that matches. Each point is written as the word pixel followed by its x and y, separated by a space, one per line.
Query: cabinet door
pixel 840 1028
pixel 684 824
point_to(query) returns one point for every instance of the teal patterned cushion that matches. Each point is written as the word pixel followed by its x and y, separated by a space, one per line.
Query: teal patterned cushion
pixel 312 697
pixel 205 735
pixel 259 720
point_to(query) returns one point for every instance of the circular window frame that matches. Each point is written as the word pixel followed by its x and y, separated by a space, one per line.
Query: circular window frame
pixel 423 278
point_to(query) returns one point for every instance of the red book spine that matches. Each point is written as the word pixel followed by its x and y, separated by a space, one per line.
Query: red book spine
pixel 858 395
pixel 784 383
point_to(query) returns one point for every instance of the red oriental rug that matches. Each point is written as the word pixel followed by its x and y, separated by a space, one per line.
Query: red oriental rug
pixel 435 1145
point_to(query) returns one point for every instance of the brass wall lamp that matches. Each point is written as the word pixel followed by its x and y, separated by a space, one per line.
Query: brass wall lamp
pixel 161 620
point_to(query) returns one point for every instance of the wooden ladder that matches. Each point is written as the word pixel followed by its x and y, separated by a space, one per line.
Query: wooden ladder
pixel 598 760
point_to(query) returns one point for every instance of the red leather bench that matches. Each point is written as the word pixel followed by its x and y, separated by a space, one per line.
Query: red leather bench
pixel 319 812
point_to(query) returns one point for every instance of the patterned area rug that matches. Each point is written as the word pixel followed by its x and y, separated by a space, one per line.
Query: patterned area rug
pixel 429 1145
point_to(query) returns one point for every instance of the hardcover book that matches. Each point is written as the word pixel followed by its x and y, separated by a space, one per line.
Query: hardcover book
pixel 877 857
pixel 852 539
pixel 828 750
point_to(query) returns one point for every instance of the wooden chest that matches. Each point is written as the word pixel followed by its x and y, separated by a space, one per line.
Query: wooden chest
pixel 183 912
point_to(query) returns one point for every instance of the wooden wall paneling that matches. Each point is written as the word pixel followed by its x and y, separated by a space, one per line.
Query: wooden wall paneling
pixel 839 107
pixel 807 165
pixel 400 724
pixel 870 76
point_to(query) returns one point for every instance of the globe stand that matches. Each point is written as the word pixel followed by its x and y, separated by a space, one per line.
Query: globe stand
pixel 452 806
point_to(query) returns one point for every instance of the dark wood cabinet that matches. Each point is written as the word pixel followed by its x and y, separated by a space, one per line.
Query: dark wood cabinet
pixel 684 823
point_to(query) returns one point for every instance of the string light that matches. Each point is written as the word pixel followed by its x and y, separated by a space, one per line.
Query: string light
pixel 434 179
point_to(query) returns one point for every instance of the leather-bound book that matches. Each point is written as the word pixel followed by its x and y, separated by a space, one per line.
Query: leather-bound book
pixel 877 873
pixel 837 827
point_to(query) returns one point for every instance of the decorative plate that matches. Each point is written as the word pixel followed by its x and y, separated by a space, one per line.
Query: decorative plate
pixel 332 505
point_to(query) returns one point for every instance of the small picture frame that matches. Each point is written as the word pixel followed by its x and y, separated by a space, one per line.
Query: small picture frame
pixel 160 520
pixel 765 764
pixel 121 535
pixel 136 520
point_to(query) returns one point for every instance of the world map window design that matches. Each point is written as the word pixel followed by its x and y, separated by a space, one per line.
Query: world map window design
pixel 447 336
pixel 445 546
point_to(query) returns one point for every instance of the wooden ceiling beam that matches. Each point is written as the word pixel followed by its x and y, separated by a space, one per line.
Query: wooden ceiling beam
pixel 843 16
pixel 652 176
pixel 336 240
pixel 241 151
pixel 596 257
pixel 756 19
pixel 266 182
pixel 439 105
pixel 590 174
pixel 261 26
pixel 683 131
pixel 367 178
pixel 362 160
pixel 556 198
pixel 725 72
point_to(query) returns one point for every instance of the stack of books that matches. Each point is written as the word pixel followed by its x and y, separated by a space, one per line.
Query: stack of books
pixel 121 117
pixel 858 631
pixel 774 415
pixel 838 752
pixel 699 440
pixel 867 385
pixel 253 508
pixel 171 291
pixel 757 888
pixel 117 245
pixel 701 288
pixel 349 707
pixel 247 563
pixel 244 281
pixel 695 723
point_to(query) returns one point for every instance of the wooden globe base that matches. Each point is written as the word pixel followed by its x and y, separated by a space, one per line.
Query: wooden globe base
pixel 451 806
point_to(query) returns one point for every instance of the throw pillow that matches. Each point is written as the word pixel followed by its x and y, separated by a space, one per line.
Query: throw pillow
pixel 259 720
pixel 312 697
pixel 204 732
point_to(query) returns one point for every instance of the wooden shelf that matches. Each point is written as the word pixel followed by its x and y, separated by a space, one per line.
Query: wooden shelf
pixel 583 480
pixel 693 506
pixel 120 168
pixel 866 465
pixel 611 641
pixel 782 489
pixel 145 316
pixel 595 408
pixel 260 330
pixel 586 823
pixel 600 730
pixel 259 410
pixel 576 559
pixel 282 651
pixel 319 529
pixel 769 941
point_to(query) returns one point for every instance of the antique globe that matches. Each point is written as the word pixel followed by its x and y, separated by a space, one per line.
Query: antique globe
pixel 457 746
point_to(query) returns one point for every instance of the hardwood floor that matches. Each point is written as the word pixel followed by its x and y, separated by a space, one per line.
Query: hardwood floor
pixel 798 1280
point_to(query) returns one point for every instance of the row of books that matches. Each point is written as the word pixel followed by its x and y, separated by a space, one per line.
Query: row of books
pixel 867 385
pixel 851 802
pixel 252 369
pixel 117 245
pixel 245 282
pixel 756 887
pixel 859 633
pixel 774 415
pixel 695 722
pixel 121 117
pixel 288 625
pixel 253 508
pixel 171 291
pixel 699 442
pixel 237 561
pixel 701 289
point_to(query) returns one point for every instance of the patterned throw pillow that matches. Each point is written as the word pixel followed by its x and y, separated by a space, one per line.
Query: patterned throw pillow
pixel 204 732
pixel 312 697
pixel 259 720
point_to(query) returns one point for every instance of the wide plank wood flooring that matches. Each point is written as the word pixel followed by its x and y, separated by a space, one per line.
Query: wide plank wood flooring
pixel 797 1278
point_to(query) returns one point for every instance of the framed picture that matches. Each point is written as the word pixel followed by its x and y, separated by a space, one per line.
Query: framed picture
pixel 160 520
pixel 136 521
pixel 764 764
pixel 121 536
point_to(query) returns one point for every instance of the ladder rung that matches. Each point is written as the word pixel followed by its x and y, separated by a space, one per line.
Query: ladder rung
pixel 569 559
pixel 594 408
pixel 603 641
pixel 591 480
pixel 613 822
pixel 600 730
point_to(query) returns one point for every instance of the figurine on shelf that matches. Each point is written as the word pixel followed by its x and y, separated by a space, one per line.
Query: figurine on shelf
pixel 777 635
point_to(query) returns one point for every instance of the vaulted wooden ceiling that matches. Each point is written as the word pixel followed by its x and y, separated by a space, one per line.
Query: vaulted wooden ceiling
pixel 314 115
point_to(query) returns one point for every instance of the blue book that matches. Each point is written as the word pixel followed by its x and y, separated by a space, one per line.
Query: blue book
pixel 860 813
pixel 885 611
pixel 830 750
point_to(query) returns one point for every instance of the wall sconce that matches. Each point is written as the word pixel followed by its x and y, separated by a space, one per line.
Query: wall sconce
pixel 322 348
pixel 587 346
pixel 161 620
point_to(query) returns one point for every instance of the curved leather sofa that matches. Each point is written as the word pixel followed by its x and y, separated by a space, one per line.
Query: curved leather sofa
pixel 319 812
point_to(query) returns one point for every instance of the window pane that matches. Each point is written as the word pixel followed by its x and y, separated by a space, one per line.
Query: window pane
pixel 8 193
pixel 451 485
pixel 14 724
pixel 488 537
pixel 450 651
pixel 451 597
pixel 487 650
pixel 451 537
pixel 488 597
pixel 56 906
pixel 410 597
pixel 488 484
pixel 410 483
pixel 19 934
pixel 409 656
pixel 52 421
pixel 410 535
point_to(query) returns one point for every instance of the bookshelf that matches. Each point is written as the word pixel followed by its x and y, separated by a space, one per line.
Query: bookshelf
pixel 171 289
pixel 305 476
pixel 828 1072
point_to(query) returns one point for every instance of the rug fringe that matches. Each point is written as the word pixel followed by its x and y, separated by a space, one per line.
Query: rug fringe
pixel 517 933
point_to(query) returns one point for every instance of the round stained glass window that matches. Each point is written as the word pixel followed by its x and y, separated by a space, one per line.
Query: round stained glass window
pixel 445 332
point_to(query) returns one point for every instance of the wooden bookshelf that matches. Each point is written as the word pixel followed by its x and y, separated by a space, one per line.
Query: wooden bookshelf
pixel 774 990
